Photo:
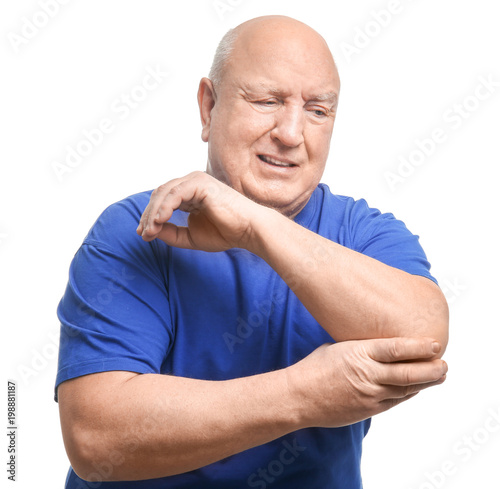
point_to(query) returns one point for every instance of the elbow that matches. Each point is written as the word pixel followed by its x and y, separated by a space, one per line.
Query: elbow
pixel 445 330
pixel 90 457
pixel 442 322
pixel 76 449
pixel 439 332
pixel 83 455
pixel 97 447
pixel 434 322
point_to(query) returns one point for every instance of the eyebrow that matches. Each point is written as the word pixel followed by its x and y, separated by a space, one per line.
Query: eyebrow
pixel 264 87
pixel 322 97
pixel 326 97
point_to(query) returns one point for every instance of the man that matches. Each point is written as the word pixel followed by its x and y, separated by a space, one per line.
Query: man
pixel 261 361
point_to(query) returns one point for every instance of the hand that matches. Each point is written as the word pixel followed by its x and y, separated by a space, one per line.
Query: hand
pixel 343 383
pixel 220 217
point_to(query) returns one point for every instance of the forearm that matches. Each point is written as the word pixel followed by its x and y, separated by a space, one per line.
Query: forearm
pixel 158 425
pixel 351 295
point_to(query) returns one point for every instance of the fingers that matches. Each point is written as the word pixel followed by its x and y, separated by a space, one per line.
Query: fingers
pixel 399 392
pixel 146 224
pixel 406 374
pixel 390 403
pixel 396 395
pixel 398 363
pixel 388 350
pixel 180 193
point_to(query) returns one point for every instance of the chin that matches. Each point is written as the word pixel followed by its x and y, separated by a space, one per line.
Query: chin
pixel 269 199
pixel 283 206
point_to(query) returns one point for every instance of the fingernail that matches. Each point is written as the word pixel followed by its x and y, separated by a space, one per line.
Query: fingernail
pixel 436 347
pixel 157 216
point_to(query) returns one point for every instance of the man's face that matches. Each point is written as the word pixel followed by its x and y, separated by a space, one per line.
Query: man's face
pixel 271 122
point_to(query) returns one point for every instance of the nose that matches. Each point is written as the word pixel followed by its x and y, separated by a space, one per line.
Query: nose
pixel 289 126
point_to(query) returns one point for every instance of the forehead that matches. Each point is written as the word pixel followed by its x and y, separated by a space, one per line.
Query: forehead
pixel 283 63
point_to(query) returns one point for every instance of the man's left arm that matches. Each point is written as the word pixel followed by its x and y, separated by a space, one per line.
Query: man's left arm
pixel 352 296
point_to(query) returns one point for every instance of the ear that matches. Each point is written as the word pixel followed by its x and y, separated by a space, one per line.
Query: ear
pixel 206 102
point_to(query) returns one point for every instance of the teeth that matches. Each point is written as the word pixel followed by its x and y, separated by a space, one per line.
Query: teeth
pixel 272 161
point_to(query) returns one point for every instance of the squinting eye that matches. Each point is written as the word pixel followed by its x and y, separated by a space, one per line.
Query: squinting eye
pixel 266 103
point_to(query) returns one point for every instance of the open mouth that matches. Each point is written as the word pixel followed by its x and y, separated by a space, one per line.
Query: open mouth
pixel 275 162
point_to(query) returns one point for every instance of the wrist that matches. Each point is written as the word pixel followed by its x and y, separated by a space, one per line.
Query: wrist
pixel 297 396
pixel 264 227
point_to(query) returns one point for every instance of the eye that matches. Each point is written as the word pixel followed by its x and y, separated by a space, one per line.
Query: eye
pixel 319 112
pixel 266 103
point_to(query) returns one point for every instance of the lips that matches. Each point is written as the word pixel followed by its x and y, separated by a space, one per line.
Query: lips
pixel 276 162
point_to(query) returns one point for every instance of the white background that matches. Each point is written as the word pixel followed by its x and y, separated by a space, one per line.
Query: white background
pixel 399 85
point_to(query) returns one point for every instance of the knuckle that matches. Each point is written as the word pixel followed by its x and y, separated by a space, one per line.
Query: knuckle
pixel 395 349
pixel 425 347
pixel 176 190
pixel 377 393
pixel 161 208
pixel 166 188
pixel 407 376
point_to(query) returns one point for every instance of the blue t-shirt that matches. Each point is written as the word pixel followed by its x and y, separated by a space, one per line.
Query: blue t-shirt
pixel 151 308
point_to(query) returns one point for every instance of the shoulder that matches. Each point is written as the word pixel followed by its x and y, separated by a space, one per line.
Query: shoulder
pixel 119 218
pixel 356 216
pixel 346 219
pixel 113 234
pixel 362 227
pixel 348 206
pixel 379 235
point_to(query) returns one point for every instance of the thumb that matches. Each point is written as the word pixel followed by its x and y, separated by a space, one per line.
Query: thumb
pixel 177 236
pixel 389 350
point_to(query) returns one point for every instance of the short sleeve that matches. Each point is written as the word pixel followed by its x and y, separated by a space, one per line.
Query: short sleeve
pixel 115 312
pixel 385 238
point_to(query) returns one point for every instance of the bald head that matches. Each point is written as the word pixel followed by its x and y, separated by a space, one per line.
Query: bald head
pixel 269 37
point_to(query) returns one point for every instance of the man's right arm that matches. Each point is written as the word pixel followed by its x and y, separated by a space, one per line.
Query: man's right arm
pixel 143 426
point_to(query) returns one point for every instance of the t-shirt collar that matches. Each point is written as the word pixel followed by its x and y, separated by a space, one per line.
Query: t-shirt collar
pixel 305 216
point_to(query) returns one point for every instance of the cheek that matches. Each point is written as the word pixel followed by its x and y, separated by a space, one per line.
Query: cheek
pixel 248 122
pixel 232 135
pixel 249 128
pixel 318 144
